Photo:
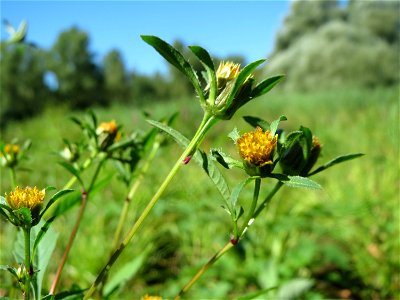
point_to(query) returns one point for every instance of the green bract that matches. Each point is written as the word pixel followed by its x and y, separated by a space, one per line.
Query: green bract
pixel 228 88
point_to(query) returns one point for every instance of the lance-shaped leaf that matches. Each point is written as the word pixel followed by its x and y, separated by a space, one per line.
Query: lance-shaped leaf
pixel 175 58
pixel 274 124
pixel 243 75
pixel 301 182
pixel 335 161
pixel 236 192
pixel 208 64
pixel 54 198
pixel 265 86
pixel 41 234
pixel 201 158
pixel 257 122
pixel 225 160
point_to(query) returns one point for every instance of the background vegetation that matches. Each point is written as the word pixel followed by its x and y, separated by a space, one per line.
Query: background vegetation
pixel 343 240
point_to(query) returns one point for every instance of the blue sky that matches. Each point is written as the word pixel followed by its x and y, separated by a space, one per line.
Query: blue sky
pixel 246 28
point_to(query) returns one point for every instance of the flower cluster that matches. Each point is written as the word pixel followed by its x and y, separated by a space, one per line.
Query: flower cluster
pixel 28 197
pixel 9 155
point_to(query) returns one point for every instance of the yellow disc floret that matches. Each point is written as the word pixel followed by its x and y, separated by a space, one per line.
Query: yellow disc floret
pixel 228 70
pixel 256 147
pixel 107 127
pixel 27 197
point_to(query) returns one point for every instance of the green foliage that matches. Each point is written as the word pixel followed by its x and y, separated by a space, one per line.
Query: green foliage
pixel 22 88
pixel 115 78
pixel 324 46
pixel 80 81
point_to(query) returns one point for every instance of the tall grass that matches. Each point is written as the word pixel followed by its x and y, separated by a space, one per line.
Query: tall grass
pixel 345 237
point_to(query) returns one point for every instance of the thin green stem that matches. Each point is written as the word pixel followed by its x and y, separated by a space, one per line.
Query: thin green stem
pixel 203 269
pixel 28 267
pixel 250 215
pixel 268 199
pixel 207 122
pixel 144 168
pixel 85 196
pixel 13 178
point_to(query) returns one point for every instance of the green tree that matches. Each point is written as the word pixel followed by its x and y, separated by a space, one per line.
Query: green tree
pixel 379 17
pixel 305 17
pixel 22 88
pixel 80 81
pixel 116 84
pixel 355 49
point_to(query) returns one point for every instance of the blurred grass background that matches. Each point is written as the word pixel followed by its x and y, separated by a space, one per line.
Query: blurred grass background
pixel 342 64
pixel 345 237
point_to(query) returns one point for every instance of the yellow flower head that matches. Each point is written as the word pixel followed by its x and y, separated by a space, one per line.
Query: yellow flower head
pixel 107 127
pixel 228 70
pixel 27 197
pixel 11 149
pixel 256 147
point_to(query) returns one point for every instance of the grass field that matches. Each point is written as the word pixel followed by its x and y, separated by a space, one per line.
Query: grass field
pixel 342 240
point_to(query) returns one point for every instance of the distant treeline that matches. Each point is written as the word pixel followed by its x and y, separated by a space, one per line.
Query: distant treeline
pixel 321 45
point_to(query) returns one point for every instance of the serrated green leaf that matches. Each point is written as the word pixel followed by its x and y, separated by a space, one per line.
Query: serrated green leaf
pixel 257 122
pixel 301 182
pixel 175 58
pixel 234 135
pixel 200 158
pixel 236 191
pixel 274 124
pixel 335 161
pixel 241 78
pixel 208 64
pixel 225 160
pixel 266 85
pixel 54 198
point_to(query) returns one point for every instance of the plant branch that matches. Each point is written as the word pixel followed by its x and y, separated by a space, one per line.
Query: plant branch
pixel 85 195
pixel 203 269
pixel 28 267
pixel 206 124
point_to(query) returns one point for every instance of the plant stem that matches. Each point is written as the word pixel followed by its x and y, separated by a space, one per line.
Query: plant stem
pixel 85 195
pixel 203 269
pixel 13 178
pixel 207 122
pixel 253 213
pixel 266 201
pixel 132 192
pixel 250 216
pixel 28 267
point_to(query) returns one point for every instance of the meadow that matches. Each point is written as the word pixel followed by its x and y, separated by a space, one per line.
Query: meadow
pixel 338 242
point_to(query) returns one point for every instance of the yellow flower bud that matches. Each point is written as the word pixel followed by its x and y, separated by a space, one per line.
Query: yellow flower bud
pixel 28 197
pixel 256 147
